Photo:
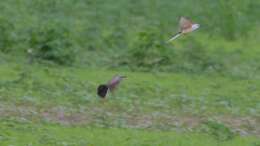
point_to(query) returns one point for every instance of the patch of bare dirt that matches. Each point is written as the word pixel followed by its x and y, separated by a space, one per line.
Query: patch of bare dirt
pixel 242 125
pixel 101 116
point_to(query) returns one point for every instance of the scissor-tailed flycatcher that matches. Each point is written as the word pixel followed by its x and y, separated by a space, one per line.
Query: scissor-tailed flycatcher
pixel 102 89
pixel 186 26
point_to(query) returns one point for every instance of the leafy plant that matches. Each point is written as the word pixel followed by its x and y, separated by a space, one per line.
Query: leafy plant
pixel 236 18
pixel 51 42
pixel 6 40
pixel 218 130
pixel 148 51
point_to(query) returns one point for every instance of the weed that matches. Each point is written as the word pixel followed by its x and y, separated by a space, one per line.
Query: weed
pixel 219 131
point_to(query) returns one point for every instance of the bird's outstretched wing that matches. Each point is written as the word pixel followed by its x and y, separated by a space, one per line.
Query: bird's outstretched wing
pixel 185 23
pixel 102 90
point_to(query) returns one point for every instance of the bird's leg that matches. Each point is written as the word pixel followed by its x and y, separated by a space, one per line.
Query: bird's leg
pixel 112 91
pixel 103 101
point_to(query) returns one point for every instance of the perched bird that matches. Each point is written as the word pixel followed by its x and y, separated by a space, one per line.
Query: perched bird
pixel 186 26
pixel 103 89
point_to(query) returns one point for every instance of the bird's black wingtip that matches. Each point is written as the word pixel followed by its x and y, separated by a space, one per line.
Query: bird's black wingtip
pixel 102 90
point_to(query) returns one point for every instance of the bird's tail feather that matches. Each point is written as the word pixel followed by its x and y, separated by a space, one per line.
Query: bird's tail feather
pixel 174 37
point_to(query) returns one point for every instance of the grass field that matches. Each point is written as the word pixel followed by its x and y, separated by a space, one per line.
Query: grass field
pixel 58 106
pixel 58 135
pixel 203 89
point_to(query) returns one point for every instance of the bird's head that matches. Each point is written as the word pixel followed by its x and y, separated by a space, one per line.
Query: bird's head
pixel 122 77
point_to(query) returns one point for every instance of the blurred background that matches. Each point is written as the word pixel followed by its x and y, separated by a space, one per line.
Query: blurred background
pixel 204 86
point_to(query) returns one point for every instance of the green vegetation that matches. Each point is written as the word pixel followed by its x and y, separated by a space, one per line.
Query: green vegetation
pixel 132 34
pixel 201 89
pixel 40 96
pixel 49 135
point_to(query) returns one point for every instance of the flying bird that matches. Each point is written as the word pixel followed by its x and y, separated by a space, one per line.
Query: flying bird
pixel 186 26
pixel 103 89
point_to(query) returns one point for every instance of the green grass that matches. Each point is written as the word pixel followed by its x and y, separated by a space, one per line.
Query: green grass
pixel 209 94
pixel 163 102
pixel 15 133
pixel 202 89
pixel 100 36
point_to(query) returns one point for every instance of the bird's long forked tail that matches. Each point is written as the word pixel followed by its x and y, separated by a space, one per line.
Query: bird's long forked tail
pixel 174 37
